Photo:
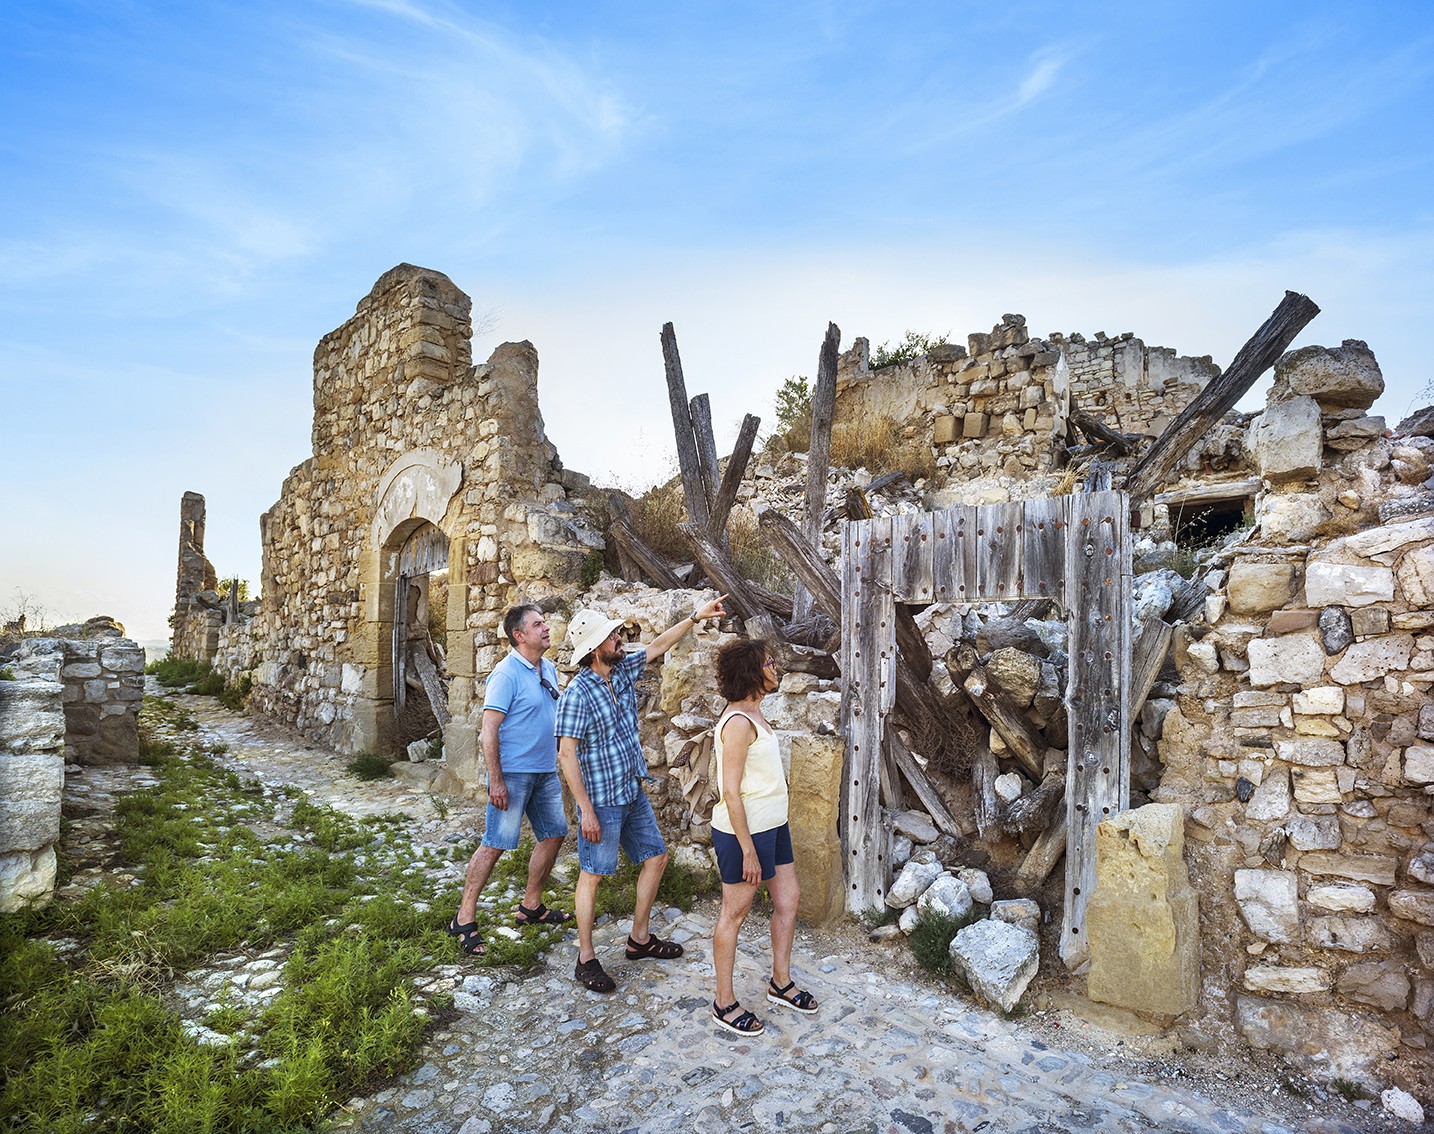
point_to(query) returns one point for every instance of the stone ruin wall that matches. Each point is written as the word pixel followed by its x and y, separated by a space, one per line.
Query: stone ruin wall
pixel 194 627
pixel 405 431
pixel 996 411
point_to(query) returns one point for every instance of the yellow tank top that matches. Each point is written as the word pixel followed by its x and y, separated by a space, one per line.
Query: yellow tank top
pixel 764 783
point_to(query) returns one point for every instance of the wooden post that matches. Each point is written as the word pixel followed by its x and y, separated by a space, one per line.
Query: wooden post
pixel 1219 396
pixel 687 459
pixel 819 451
pixel 701 410
pixel 1098 575
pixel 727 579
pixel 732 478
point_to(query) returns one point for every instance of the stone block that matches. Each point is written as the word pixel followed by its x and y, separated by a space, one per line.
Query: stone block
pixel 815 792
pixel 123 658
pixel 1419 764
pixel 32 715
pixel 1345 376
pixel 1314 832
pixel 943 430
pixel 26 877
pixel 1024 912
pixel 1372 659
pixel 1379 983
pixel 1339 584
pixel 1315 785
pixel 1293 517
pixel 997 959
pixel 1325 1041
pixel 1271 799
pixel 81 670
pixel 1143 918
pixel 1374 869
pixel 1287 440
pixel 1292 659
pixel 1368 621
pixel 947 896
pixel 974 425
pixel 1413 905
pixel 1416 577
pixel 1282 978
pixel 1269 903
pixel 1311 751
pixel 1257 588
pixel 1349 934
pixel 1342 898
pixel 1324 700
pixel 915 877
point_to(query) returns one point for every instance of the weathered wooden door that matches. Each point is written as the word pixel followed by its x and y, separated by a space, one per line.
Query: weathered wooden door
pixel 1073 549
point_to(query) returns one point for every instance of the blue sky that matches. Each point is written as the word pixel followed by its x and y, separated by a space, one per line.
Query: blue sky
pixel 192 195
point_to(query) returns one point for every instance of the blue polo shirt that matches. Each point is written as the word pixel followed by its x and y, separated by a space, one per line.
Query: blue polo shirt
pixel 525 737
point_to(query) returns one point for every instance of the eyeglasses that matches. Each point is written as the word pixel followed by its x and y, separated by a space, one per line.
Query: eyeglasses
pixel 615 636
pixel 548 685
pixel 769 664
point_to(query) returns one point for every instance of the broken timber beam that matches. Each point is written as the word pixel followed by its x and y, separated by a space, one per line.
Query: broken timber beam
pixel 700 409
pixel 819 450
pixel 688 461
pixel 1041 859
pixel 1097 431
pixel 1007 720
pixel 921 785
pixel 717 566
pixel 732 478
pixel 630 546
pixel 1220 395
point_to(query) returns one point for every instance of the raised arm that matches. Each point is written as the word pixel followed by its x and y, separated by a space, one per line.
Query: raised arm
pixel 673 634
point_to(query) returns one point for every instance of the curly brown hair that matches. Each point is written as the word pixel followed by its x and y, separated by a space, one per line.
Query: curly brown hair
pixel 739 668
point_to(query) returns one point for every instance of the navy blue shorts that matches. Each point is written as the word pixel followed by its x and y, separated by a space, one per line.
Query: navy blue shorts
pixel 774 849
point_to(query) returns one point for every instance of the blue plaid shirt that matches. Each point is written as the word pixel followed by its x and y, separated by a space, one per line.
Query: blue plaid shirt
pixel 603 721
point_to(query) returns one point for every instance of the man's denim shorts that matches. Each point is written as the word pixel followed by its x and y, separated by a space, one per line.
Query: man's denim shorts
pixel 540 796
pixel 632 826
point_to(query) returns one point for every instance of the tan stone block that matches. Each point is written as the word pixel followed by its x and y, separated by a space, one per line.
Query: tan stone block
pixel 943 430
pixel 1143 919
pixel 813 802
pixel 974 425
pixel 462 753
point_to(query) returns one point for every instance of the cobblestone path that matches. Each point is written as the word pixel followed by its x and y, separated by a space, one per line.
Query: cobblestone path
pixel 888 1052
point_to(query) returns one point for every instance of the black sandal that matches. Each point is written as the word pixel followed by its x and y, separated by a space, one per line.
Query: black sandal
pixel 540 916
pixel 593 977
pixel 654 947
pixel 469 939
pixel 744 1025
pixel 798 1000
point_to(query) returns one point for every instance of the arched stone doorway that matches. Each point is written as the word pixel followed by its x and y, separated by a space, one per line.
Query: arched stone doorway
pixel 420 663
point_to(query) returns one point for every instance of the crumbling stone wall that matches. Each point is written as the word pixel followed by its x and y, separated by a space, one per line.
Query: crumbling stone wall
pixel 194 626
pixel 407 433
pixel 1301 741
pixel 102 688
pixel 32 775
pixel 999 408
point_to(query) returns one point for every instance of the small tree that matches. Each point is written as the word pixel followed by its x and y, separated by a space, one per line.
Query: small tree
pixel 794 401
pixel 912 345
pixel 224 584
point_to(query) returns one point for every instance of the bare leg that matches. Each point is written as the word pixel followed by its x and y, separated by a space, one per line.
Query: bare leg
pixel 649 877
pixel 479 867
pixel 785 893
pixel 540 865
pixel 584 904
pixel 736 902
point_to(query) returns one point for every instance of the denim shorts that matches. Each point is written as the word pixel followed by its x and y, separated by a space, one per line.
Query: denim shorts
pixel 774 849
pixel 631 826
pixel 539 795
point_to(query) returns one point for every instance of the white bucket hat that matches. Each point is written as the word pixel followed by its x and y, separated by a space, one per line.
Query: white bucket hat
pixel 588 630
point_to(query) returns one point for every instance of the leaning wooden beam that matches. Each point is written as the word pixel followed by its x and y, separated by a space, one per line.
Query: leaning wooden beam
pixel 819 450
pixel 921 785
pixel 985 803
pixel 1007 720
pixel 700 409
pixel 1219 396
pixel 432 685
pixel 1036 810
pixel 732 478
pixel 1147 656
pixel 807 565
pixel 1097 431
pixel 687 460
pixel 653 565
pixel 775 602
pixel 726 578
pixel 1041 859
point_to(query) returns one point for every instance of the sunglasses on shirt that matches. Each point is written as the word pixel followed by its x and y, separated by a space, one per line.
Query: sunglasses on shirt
pixel 548 685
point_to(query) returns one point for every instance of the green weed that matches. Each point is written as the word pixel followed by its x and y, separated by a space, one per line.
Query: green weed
pixel 370 766
pixel 1349 1090
pixel 7 673
pixel 931 940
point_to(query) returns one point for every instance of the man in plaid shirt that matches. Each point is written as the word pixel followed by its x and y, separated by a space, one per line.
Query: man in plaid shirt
pixel 602 761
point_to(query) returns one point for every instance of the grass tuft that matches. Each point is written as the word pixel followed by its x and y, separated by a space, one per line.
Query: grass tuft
pixel 931 940
pixel 370 766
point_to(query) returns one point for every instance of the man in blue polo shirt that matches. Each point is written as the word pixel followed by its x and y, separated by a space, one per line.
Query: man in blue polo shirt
pixel 602 761
pixel 519 711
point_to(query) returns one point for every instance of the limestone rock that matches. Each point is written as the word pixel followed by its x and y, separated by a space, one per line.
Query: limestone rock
pixel 947 896
pixel 1287 440
pixel 1339 584
pixel 1314 832
pixel 1348 934
pixel 1292 517
pixel 1372 659
pixel 1342 898
pixel 1325 1041
pixel 1421 867
pixel 1280 978
pixel 1380 983
pixel 26 876
pixel 1403 1105
pixel 978 883
pixel 1143 919
pixel 1025 912
pixel 1015 672
pixel 916 826
pixel 1292 658
pixel 1009 786
pixel 1342 376
pixel 1413 905
pixel 1269 903
pixel 1416 577
pixel 1353 434
pixel 1271 799
pixel 1419 764
pixel 1374 869
pixel 1420 423
pixel 1257 588
pixel 998 959
pixel 915 877
pixel 1311 751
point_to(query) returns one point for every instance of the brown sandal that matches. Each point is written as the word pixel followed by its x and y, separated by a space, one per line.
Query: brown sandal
pixel 654 947
pixel 593 977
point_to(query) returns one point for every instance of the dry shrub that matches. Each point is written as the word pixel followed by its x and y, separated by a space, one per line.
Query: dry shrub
pixel 655 516
pixel 877 445
pixel 754 558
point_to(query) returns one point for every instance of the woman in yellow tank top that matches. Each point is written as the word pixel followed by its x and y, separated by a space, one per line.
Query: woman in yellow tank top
pixel 750 833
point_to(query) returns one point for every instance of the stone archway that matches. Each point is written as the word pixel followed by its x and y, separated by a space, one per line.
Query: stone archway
pixel 1074 549
pixel 420 663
